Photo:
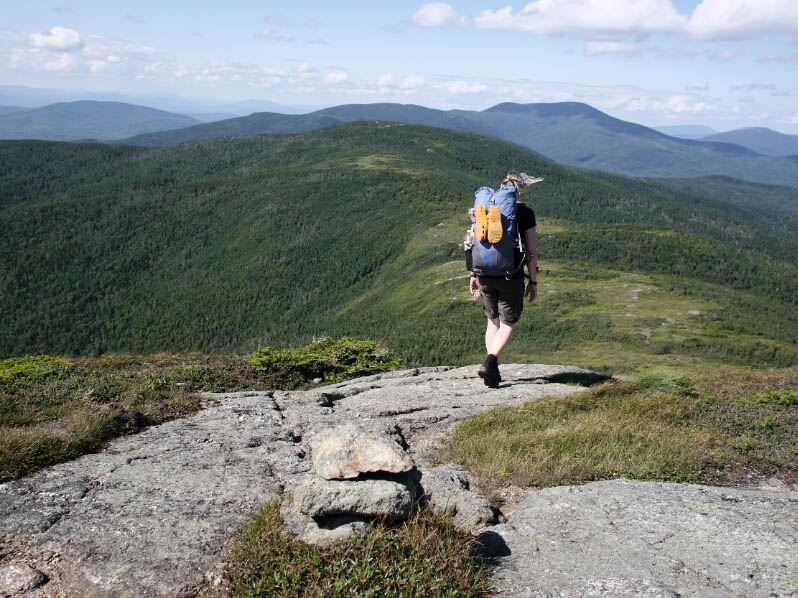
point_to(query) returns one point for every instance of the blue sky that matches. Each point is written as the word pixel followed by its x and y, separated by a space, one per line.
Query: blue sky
pixel 723 63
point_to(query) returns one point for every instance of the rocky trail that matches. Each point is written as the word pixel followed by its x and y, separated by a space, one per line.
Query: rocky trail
pixel 154 513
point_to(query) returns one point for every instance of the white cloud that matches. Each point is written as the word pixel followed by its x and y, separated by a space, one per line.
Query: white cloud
pixel 59 62
pixel 586 18
pixel 462 86
pixel 66 50
pixel 794 119
pixel 600 19
pixel 727 54
pixel 335 77
pixel 607 47
pixel 98 66
pixel 700 86
pixel 673 104
pixel 436 14
pixel 58 38
pixel 385 80
pixel 412 82
pixel 744 19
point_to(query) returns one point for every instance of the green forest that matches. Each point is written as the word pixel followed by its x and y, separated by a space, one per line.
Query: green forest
pixel 228 244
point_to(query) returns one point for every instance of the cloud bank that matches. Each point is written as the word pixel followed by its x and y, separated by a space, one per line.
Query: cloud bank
pixel 599 19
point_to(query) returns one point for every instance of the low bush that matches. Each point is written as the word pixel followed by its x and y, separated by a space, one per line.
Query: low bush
pixel 424 556
pixel 329 359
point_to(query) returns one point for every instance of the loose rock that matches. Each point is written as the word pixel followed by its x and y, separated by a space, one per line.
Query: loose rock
pixel 346 451
pixel 17 578
pixel 391 498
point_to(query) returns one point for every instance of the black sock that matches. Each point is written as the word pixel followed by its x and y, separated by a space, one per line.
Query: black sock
pixel 492 359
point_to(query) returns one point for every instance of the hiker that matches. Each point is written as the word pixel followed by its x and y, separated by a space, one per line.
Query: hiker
pixel 501 285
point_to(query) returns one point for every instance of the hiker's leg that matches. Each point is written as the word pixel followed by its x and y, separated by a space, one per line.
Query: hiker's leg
pixel 490 332
pixel 500 338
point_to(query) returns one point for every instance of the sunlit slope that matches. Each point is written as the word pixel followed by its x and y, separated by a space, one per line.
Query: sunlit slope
pixel 620 318
pixel 224 244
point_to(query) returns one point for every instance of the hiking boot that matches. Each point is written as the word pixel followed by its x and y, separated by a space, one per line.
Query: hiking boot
pixel 489 372
pixel 495 231
pixel 481 223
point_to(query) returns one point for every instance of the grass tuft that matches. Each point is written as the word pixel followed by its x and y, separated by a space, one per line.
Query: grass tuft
pixel 424 556
pixel 656 427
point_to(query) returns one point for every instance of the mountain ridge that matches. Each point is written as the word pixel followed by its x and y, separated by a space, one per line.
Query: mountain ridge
pixel 571 133
pixel 759 139
pixel 88 119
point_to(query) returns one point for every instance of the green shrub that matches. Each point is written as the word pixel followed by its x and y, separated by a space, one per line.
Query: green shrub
pixel 32 367
pixel 330 359
pixel 424 556
pixel 775 397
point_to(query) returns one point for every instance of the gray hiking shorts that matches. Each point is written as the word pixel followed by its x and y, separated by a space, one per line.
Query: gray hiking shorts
pixel 502 298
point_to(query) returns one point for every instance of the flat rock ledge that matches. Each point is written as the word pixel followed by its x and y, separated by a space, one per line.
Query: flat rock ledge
pixel 631 538
pixel 154 513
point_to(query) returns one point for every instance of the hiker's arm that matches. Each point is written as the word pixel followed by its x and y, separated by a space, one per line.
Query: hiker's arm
pixel 530 244
pixel 473 286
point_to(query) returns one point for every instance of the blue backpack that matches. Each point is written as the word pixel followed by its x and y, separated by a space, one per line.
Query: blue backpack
pixel 498 258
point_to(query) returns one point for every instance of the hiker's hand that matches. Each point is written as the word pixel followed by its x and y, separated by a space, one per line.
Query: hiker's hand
pixel 531 292
pixel 474 286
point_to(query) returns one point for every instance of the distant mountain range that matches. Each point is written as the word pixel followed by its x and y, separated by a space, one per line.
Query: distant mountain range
pixel 569 133
pixel 86 120
pixel 33 97
pixel 761 140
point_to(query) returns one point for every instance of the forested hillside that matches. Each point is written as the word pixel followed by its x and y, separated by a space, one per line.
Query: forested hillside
pixel 225 244
pixel 777 201
pixel 570 133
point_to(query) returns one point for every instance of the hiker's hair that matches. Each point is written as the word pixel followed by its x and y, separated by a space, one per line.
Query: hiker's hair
pixel 520 180
pixel 514 178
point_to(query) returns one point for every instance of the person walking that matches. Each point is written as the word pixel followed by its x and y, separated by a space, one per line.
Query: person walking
pixel 503 294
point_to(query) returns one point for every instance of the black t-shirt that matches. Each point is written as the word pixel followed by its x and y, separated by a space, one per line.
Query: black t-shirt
pixel 525 217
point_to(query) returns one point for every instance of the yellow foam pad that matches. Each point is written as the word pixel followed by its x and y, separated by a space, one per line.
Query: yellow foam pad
pixel 481 224
pixel 495 231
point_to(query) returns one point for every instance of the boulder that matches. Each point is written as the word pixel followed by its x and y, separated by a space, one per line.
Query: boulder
pixel 349 450
pixel 371 497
